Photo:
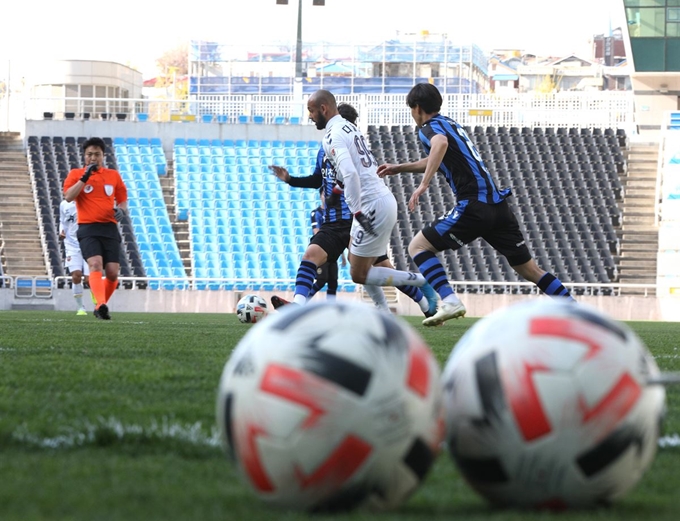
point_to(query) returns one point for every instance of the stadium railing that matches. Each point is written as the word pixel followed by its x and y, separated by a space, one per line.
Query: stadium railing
pixel 193 283
pixel 601 109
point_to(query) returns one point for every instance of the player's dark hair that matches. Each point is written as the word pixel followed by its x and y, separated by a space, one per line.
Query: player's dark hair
pixel 94 142
pixel 348 112
pixel 426 96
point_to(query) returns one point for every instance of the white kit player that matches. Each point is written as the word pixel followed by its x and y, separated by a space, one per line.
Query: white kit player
pixel 370 201
pixel 68 231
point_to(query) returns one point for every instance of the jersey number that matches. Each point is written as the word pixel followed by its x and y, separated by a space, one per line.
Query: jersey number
pixel 367 157
pixel 473 150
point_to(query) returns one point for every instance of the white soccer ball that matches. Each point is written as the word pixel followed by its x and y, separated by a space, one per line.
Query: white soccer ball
pixel 251 309
pixel 331 406
pixel 547 406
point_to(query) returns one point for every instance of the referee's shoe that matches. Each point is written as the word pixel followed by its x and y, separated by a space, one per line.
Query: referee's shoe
pixel 102 312
pixel 446 311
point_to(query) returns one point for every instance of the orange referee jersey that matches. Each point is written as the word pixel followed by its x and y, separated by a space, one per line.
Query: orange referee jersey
pixel 95 201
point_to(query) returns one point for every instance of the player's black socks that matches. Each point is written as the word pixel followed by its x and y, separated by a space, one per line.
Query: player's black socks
pixel 413 292
pixel 552 286
pixel 433 271
pixel 305 278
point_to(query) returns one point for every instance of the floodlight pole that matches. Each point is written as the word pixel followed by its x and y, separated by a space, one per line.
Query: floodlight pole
pixel 297 80
pixel 298 44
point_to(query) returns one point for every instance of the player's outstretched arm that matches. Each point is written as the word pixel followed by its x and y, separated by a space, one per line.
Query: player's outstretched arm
pixel 280 172
pixel 394 168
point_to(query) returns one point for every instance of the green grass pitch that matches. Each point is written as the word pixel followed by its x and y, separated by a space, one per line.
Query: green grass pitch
pixel 115 421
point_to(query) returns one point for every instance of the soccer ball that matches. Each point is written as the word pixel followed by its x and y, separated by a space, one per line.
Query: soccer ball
pixel 251 309
pixel 331 406
pixel 547 406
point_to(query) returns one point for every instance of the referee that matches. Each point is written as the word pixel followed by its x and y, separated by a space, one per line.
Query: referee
pixel 101 201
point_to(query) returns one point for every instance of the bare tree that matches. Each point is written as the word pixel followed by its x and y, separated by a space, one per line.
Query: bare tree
pixel 176 59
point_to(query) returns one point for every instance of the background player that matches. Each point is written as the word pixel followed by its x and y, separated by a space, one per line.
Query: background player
pixel 327 273
pixel 77 267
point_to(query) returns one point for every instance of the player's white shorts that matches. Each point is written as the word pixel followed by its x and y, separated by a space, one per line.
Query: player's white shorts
pixel 75 262
pixel 383 213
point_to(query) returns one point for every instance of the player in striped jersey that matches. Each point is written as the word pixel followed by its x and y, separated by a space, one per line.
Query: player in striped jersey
pixel 481 209
pixel 327 273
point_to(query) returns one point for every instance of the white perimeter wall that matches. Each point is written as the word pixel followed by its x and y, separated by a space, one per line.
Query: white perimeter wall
pixel 140 301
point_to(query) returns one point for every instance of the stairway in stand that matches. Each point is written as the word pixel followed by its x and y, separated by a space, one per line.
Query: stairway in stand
pixel 179 228
pixel 640 235
pixel 21 250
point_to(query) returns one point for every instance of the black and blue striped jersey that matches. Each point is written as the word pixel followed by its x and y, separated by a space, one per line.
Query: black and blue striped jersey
pixel 462 165
pixel 338 211
pixel 316 217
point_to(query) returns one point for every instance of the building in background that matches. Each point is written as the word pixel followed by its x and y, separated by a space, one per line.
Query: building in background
pixel 653 40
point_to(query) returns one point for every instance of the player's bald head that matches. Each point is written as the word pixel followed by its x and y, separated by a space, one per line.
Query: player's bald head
pixel 324 97
pixel 322 107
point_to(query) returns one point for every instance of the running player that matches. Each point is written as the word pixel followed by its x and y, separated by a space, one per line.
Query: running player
pixel 481 209
pixel 335 233
pixel 370 201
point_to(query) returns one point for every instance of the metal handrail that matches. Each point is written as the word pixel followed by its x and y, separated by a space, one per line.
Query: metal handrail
pixel 191 283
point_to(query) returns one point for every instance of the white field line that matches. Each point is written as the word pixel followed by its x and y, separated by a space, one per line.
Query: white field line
pixel 164 429
pixel 670 440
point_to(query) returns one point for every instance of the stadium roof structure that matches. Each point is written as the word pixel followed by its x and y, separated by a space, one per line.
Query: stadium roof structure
pixel 397 51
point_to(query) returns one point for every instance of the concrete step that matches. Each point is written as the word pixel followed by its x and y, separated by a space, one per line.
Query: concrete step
pixel 27 272
pixel 19 215
pixel 18 221
pixel 17 262
pixel 22 245
pixel 637 278
pixel 10 181
pixel 637 264
pixel 638 219
pixel 635 248
pixel 15 155
pixel 640 191
pixel 15 202
pixel 645 230
pixel 649 174
pixel 637 182
pixel 635 204
pixel 21 192
pixel 639 209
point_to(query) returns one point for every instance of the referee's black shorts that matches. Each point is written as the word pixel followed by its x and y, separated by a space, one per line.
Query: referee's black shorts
pixel 101 239
pixel 333 238
pixel 495 223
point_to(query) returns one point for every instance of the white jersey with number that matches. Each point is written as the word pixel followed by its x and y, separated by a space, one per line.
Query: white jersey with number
pixel 356 167
pixel 68 223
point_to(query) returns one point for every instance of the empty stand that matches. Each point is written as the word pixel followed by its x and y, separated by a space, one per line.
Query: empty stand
pixel 140 162
pixel 566 190
pixel 246 227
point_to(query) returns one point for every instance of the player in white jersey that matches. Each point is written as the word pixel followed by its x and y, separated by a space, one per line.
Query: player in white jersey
pixel 370 201
pixel 68 231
